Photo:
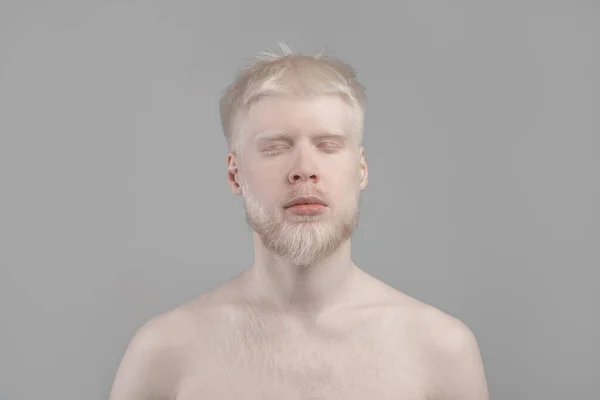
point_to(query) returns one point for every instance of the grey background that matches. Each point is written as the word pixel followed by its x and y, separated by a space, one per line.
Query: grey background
pixel 482 140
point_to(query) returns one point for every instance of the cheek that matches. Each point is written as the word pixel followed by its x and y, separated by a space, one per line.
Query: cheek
pixel 350 179
pixel 263 190
pixel 345 190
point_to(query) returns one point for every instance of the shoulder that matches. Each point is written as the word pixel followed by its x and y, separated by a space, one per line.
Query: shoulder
pixel 441 331
pixel 453 355
pixel 447 348
pixel 168 331
pixel 154 359
pixel 446 333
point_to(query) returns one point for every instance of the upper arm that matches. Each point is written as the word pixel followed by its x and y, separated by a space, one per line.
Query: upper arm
pixel 150 367
pixel 459 364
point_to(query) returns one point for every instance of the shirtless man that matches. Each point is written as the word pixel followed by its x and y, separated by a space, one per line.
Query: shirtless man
pixel 303 322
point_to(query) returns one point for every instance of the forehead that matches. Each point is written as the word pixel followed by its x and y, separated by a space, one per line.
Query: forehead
pixel 291 114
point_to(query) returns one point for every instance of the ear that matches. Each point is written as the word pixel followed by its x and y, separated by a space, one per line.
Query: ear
pixel 232 173
pixel 364 170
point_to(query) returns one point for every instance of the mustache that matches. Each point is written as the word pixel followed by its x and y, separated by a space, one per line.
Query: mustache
pixel 303 193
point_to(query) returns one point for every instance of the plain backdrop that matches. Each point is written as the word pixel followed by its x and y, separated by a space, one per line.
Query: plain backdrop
pixel 482 140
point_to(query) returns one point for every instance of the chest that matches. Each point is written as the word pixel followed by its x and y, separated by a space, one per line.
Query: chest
pixel 294 367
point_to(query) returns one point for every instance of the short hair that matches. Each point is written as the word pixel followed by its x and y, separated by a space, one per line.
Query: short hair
pixel 288 73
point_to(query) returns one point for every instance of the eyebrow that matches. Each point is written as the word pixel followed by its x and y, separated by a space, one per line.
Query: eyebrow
pixel 281 135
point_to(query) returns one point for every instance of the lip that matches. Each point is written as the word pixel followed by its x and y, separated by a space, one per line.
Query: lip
pixel 307 209
pixel 312 200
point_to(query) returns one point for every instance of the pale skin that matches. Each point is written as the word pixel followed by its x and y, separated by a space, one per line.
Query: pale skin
pixel 284 329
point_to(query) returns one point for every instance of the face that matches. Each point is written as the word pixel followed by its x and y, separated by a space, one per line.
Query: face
pixel 299 147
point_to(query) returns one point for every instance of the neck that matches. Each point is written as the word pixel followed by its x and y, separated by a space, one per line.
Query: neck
pixel 302 290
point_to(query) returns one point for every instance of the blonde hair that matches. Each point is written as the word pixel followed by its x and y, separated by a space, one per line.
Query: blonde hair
pixel 289 73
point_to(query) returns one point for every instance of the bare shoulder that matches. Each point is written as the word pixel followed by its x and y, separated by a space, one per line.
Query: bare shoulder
pixel 442 330
pixel 452 354
pixel 447 347
pixel 446 332
pixel 153 361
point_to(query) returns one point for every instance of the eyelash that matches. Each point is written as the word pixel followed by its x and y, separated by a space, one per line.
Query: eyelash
pixel 271 152
pixel 277 151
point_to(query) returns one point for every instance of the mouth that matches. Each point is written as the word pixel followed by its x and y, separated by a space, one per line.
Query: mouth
pixel 309 205
pixel 306 201
pixel 306 209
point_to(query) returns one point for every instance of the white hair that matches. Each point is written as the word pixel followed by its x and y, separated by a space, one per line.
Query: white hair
pixel 285 72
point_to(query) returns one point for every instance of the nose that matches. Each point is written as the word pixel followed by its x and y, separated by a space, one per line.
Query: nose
pixel 304 169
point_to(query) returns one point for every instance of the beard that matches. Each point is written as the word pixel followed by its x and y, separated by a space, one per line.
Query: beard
pixel 304 240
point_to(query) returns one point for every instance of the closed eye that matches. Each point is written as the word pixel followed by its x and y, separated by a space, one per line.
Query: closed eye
pixel 329 146
pixel 273 150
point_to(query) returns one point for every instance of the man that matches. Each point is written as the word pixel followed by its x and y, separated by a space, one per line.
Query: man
pixel 303 322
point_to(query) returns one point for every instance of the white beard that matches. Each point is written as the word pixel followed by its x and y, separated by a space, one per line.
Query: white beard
pixel 303 240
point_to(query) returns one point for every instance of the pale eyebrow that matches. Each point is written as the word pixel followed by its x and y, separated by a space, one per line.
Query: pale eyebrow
pixel 281 135
pixel 270 135
pixel 332 135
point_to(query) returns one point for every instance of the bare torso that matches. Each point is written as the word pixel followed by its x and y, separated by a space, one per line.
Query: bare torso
pixel 373 350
